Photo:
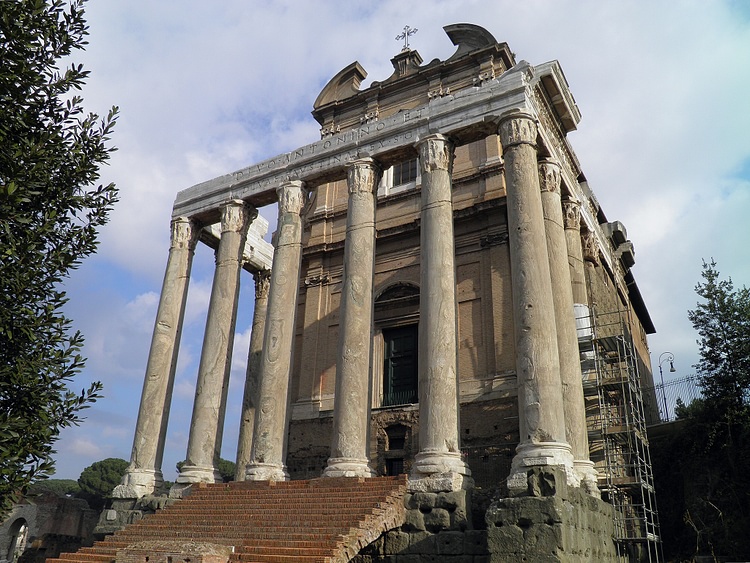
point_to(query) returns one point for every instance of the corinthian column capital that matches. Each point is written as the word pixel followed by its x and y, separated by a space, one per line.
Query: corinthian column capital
pixel 363 176
pixel 291 197
pixel 262 283
pixel 236 216
pixel 549 177
pixel 517 129
pixel 435 153
pixel 572 214
pixel 590 249
pixel 184 233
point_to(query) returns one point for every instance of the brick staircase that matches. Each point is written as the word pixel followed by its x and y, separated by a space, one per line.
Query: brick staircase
pixel 319 520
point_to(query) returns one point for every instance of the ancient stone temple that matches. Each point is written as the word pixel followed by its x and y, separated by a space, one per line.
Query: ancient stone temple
pixel 446 300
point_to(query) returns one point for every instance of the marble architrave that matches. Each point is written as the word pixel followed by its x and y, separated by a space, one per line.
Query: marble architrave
pixel 207 424
pixel 576 430
pixel 467 114
pixel 438 465
pixel 252 376
pixel 144 475
pixel 351 411
pixel 267 460
pixel 541 412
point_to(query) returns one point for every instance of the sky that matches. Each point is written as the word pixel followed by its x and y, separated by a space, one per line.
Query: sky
pixel 205 88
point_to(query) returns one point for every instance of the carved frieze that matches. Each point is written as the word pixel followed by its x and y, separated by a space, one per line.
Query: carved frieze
pixel 493 240
pixel 435 153
pixel 549 124
pixel 318 279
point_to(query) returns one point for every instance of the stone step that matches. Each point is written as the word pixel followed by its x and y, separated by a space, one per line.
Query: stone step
pixel 294 521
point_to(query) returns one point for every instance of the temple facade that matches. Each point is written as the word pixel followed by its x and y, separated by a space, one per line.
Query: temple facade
pixel 432 302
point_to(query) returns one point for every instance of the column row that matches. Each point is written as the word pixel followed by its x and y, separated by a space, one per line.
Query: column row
pixel 552 418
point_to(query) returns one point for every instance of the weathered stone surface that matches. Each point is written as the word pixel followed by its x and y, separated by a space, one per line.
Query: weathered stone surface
pixel 269 434
pixel 574 528
pixel 174 551
pixel 144 475
pixel 351 411
pixel 252 375
pixel 541 413
pixel 438 375
pixel 209 407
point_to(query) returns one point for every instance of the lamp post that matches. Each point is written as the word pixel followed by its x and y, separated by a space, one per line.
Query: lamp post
pixel 669 358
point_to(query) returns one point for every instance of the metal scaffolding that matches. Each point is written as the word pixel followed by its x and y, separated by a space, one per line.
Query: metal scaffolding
pixel 617 433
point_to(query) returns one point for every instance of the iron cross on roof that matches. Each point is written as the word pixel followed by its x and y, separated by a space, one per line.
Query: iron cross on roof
pixel 408 32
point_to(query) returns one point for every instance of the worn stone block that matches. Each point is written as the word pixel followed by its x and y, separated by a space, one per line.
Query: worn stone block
pixel 450 543
pixel 436 520
pixel 475 541
pixel 414 521
pixel 505 539
pixel 395 542
pixel 421 501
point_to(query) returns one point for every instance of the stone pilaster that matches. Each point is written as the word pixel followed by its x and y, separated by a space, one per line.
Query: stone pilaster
pixel 351 411
pixel 144 475
pixel 250 398
pixel 438 465
pixel 207 424
pixel 540 409
pixel 269 434
pixel 576 430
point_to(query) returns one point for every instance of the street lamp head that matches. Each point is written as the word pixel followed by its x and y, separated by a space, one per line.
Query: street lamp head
pixel 671 367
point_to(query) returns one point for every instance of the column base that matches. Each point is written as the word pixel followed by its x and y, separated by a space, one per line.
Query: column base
pixel 589 476
pixel 137 483
pixel 192 474
pixel 435 471
pixel 529 455
pixel 347 467
pixel 266 472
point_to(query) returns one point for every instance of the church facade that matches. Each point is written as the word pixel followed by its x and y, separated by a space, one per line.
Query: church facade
pixel 436 300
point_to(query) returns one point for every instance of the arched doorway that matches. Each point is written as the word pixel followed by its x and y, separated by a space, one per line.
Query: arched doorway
pixel 19 532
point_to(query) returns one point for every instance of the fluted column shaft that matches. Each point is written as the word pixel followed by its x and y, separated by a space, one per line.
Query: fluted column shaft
pixel 439 452
pixel 351 410
pixel 252 375
pixel 269 434
pixel 207 424
pixel 541 412
pixel 144 475
pixel 576 430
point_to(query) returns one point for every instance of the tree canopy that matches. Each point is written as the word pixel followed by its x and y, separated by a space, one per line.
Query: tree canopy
pixel 50 210
pixel 101 477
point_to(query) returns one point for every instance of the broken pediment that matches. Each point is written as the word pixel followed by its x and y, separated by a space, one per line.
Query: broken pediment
pixel 344 85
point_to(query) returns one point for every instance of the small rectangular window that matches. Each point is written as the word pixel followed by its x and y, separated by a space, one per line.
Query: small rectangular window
pixel 405 172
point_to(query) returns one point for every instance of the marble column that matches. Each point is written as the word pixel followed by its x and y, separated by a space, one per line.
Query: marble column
pixel 252 381
pixel 351 409
pixel 567 339
pixel 207 424
pixel 438 465
pixel 267 460
pixel 540 401
pixel 144 475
